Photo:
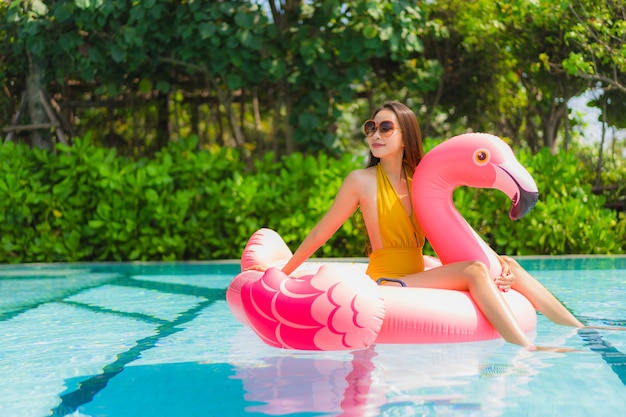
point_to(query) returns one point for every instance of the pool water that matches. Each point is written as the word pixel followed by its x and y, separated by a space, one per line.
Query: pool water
pixel 158 340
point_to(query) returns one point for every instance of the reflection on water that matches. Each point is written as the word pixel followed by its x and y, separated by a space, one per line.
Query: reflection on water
pixel 386 379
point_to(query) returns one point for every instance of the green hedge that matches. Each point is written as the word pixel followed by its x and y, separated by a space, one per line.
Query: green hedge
pixel 86 203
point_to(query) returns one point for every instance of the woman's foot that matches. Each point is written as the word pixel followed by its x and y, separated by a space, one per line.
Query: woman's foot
pixel 553 349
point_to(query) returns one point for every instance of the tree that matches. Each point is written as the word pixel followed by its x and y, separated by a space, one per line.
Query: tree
pixel 597 43
pixel 502 67
pixel 292 65
pixel 11 68
pixel 29 16
pixel 333 52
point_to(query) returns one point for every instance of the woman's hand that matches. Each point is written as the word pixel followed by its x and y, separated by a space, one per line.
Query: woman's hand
pixel 506 279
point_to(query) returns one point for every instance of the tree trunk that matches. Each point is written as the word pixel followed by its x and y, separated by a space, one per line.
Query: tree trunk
pixel 276 126
pixel 225 98
pixel 291 147
pixel 567 136
pixel 234 123
pixel 531 134
pixel 551 122
pixel 258 126
pixel 221 136
pixel 194 110
pixel 598 179
pixel 282 17
pixel 40 138
pixel 163 123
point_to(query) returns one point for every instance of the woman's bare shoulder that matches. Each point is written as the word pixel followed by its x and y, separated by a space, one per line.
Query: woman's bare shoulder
pixel 361 179
pixel 364 174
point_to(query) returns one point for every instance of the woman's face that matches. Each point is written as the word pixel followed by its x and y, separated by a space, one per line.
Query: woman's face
pixel 386 139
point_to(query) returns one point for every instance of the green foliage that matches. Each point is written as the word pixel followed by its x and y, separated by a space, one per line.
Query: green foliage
pixel 256 77
pixel 339 50
pixel 301 63
pixel 87 203
pixel 596 43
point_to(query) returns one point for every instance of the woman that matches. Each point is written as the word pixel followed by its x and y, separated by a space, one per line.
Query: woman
pixel 382 192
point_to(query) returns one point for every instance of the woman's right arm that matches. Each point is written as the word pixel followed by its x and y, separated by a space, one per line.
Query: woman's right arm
pixel 345 203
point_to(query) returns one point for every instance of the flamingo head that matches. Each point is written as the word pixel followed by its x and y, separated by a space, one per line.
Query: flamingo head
pixel 481 160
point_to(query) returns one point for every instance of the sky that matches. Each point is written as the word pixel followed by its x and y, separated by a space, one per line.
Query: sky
pixel 592 132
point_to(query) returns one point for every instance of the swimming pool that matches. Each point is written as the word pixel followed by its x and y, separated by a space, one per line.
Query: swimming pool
pixel 158 340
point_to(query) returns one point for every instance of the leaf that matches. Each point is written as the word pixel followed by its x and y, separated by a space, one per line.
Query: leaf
pixel 38 7
pixel 250 40
pixel 137 14
pixel 151 195
pixel 96 224
pixel 38 46
pixel 207 30
pixel 118 54
pixel 131 37
pixel 63 12
pixel 277 68
pixel 83 4
pixel 73 241
pixel 370 31
pixel 95 55
pixel 244 20
pixel 236 60
pixel 163 86
pixel 145 85
pixel 234 81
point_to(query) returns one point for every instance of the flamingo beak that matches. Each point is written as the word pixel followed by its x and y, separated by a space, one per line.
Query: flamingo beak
pixel 523 202
pixel 519 185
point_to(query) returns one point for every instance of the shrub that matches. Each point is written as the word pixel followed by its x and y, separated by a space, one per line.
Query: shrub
pixel 87 203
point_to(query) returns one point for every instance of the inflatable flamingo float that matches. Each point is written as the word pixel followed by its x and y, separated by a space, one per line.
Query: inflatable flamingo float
pixel 336 306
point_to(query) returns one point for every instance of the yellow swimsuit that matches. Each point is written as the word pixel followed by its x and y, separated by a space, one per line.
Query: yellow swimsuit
pixel 402 237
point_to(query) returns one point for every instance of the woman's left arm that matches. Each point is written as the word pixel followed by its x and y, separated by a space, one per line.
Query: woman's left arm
pixel 345 203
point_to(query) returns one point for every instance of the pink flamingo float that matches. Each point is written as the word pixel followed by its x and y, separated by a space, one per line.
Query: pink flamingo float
pixel 336 306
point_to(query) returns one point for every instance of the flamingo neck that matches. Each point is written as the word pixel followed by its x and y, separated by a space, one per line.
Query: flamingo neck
pixel 450 235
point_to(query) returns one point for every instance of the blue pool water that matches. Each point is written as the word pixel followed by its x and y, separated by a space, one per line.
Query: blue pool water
pixel 158 340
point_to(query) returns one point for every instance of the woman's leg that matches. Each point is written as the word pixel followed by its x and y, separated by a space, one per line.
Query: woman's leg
pixel 539 296
pixel 474 277
pixel 543 300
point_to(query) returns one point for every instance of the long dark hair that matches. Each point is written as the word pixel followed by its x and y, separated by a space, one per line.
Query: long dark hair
pixel 411 134
pixel 413 151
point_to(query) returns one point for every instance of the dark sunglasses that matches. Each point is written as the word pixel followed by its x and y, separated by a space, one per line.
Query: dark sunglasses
pixel 386 128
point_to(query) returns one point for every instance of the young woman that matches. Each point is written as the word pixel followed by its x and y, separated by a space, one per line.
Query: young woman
pixel 397 240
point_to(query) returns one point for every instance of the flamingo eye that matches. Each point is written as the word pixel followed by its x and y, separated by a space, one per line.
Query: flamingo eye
pixel 481 157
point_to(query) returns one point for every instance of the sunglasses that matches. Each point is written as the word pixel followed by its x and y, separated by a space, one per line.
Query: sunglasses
pixel 386 128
